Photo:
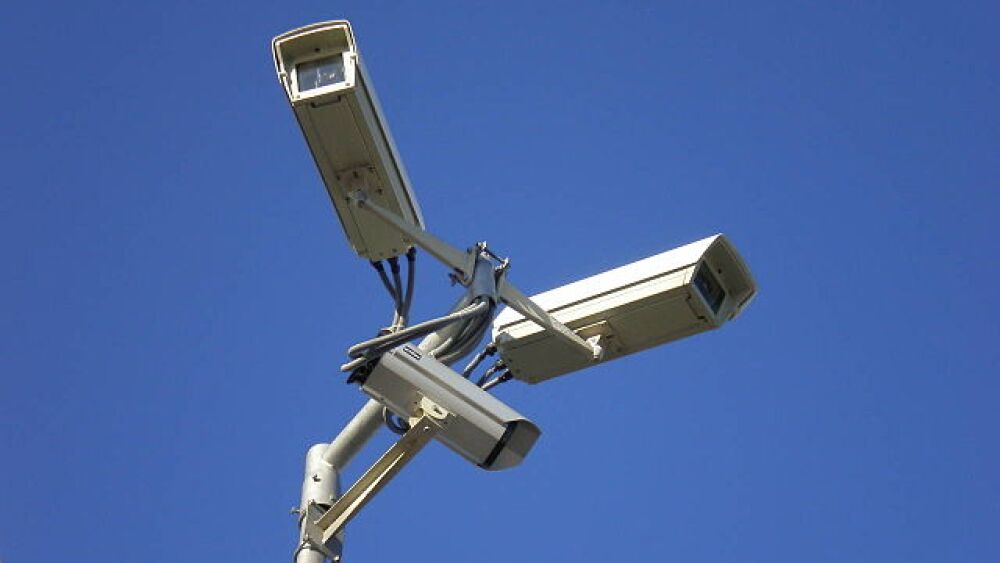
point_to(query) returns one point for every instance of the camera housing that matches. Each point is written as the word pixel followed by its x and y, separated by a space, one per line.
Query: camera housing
pixel 336 107
pixel 482 429
pixel 666 297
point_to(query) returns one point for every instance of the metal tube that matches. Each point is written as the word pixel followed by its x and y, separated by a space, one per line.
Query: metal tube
pixel 322 482
pixel 354 436
pixel 483 283
pixel 320 485
pixel 307 554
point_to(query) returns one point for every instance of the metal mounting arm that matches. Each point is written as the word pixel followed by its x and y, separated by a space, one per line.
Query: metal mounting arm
pixel 524 305
pixel 464 263
pixel 323 527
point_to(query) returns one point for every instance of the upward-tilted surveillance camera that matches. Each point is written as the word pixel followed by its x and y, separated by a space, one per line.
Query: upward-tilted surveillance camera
pixel 666 297
pixel 334 102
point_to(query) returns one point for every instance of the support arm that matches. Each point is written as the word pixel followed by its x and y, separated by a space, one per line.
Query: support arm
pixel 524 305
pixel 462 262
pixel 322 526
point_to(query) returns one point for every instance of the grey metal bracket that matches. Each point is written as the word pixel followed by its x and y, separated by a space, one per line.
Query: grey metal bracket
pixel 322 527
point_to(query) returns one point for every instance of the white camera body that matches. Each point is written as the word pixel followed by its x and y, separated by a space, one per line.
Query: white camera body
pixel 335 104
pixel 481 429
pixel 666 297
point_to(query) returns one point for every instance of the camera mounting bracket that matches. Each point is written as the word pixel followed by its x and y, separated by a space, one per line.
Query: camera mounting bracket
pixel 323 526
pixel 463 265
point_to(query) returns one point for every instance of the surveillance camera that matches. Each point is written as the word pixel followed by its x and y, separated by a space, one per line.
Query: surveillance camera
pixel 482 429
pixel 681 292
pixel 335 104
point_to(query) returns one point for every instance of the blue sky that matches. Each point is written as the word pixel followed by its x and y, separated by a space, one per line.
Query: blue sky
pixel 177 293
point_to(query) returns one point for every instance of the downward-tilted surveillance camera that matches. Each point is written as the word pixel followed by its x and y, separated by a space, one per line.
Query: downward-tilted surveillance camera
pixel 334 102
pixel 483 430
pixel 681 292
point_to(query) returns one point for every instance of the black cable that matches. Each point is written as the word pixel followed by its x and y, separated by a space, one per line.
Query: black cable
pixel 487 351
pixel 397 282
pixel 411 268
pixel 380 268
pixel 505 376
pixel 395 423
pixel 396 333
pixel 497 366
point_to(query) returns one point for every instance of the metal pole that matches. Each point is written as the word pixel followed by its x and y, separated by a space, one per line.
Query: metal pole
pixel 354 436
pixel 322 486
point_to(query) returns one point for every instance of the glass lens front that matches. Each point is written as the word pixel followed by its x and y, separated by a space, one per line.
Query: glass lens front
pixel 709 288
pixel 319 73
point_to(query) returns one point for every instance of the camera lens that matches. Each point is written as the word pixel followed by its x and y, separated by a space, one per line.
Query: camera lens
pixel 709 288
pixel 319 73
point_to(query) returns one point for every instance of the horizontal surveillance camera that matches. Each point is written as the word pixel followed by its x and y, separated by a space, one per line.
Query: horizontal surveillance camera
pixel 482 429
pixel 335 105
pixel 681 292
